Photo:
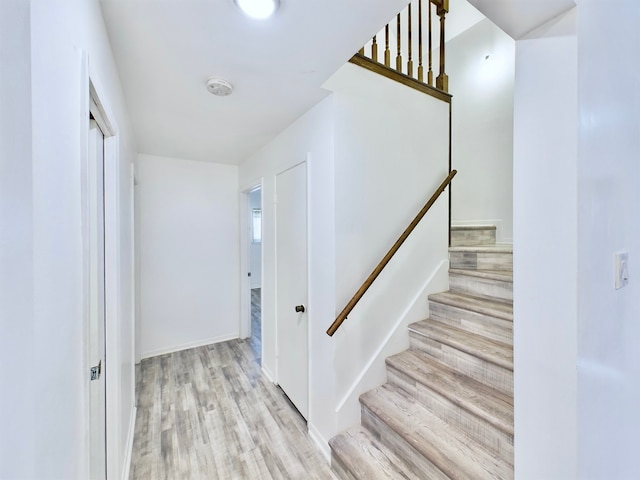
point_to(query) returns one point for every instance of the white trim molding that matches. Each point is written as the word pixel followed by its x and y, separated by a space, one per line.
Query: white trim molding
pixel 189 345
pixel 128 451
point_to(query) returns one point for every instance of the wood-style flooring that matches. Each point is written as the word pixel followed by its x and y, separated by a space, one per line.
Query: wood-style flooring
pixel 256 324
pixel 209 413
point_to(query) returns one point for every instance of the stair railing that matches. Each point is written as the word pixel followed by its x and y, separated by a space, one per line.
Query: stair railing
pixel 404 42
pixel 385 260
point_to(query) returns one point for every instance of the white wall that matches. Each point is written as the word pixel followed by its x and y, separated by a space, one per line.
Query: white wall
pixel 255 253
pixel 17 322
pixel 609 209
pixel 545 257
pixel 391 153
pixel 42 138
pixel 482 126
pixel 189 253
pixel 577 361
pixel 369 175
pixel 310 139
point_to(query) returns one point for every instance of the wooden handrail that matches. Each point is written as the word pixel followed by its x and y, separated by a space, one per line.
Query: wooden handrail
pixel 385 260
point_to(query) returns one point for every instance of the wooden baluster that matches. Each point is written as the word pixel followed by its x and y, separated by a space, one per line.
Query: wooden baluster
pixel 442 81
pixel 430 70
pixel 420 67
pixel 374 49
pixel 387 52
pixel 399 40
pixel 410 61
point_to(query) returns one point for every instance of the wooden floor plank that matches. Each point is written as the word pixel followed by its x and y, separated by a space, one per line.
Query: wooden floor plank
pixel 208 413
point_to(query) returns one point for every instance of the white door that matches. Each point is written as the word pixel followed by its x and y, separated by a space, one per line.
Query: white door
pixel 291 284
pixel 97 389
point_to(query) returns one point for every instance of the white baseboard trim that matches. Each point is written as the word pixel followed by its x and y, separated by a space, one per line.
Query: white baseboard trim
pixel 267 373
pixel 128 449
pixel 187 346
pixel 320 441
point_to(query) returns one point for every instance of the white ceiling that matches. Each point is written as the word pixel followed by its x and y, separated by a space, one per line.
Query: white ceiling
pixel 462 16
pixel 519 17
pixel 166 49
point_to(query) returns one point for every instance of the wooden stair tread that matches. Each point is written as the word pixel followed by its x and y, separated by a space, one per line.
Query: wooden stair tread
pixel 483 401
pixel 499 275
pixel 492 307
pixel 489 350
pixel 366 457
pixel 492 248
pixel 472 227
pixel 452 451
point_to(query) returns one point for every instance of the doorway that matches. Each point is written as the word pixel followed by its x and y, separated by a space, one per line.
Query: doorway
pixel 255 270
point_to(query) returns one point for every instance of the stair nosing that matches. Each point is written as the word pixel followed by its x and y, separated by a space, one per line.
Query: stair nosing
pixel 347 460
pixel 490 248
pixel 464 302
pixel 497 275
pixel 435 329
pixel 484 391
pixel 473 227
pixel 464 449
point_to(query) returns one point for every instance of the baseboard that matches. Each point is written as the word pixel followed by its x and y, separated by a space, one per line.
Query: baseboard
pixel 187 346
pixel 267 373
pixel 396 340
pixel 128 451
pixel 380 354
pixel 320 441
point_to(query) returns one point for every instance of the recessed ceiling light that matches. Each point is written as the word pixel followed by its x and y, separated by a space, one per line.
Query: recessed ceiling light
pixel 258 9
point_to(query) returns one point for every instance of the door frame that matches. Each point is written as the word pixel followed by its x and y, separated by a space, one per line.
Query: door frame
pixel 93 102
pixel 96 348
pixel 245 257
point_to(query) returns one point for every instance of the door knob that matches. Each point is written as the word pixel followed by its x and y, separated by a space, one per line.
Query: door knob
pixel 300 308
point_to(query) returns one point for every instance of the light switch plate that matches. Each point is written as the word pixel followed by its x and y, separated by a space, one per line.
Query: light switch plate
pixel 621 262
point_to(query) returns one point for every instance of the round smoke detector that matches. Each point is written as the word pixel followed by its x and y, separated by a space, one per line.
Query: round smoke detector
pixel 219 87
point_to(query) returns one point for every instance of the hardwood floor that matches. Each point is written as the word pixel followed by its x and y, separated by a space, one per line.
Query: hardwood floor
pixel 256 324
pixel 208 413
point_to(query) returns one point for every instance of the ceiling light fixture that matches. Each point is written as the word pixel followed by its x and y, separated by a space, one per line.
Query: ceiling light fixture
pixel 258 9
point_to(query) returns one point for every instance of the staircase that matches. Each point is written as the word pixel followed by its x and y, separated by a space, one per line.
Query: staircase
pixel 446 411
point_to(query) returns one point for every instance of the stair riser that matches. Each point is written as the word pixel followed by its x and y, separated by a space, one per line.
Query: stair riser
pixel 481 260
pixel 481 287
pixel 495 440
pixel 485 372
pixel 469 237
pixel 481 324
pixel 400 446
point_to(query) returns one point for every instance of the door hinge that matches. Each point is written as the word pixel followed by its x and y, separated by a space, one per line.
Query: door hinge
pixel 95 371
